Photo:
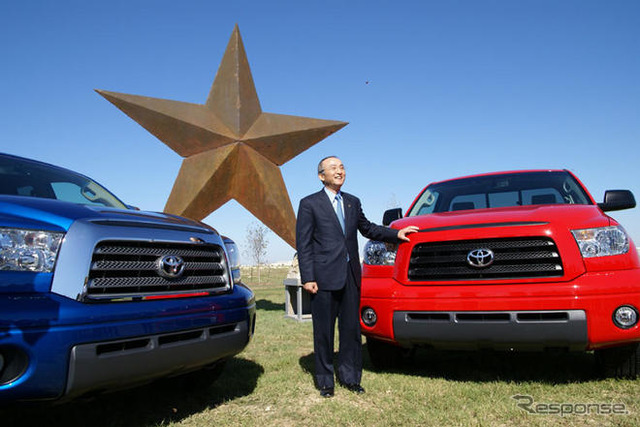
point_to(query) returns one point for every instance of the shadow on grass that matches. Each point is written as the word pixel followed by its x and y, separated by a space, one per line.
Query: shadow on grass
pixel 307 363
pixel 487 366
pixel 164 401
pixel 264 304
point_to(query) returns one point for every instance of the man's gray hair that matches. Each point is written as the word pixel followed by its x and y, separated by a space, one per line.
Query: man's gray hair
pixel 320 168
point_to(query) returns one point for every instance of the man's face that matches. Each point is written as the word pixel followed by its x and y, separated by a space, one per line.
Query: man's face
pixel 333 173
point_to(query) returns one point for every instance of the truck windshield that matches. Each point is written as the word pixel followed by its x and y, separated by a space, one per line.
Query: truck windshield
pixel 21 177
pixel 501 190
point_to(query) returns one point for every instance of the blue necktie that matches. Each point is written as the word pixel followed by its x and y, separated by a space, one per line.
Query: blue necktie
pixel 339 211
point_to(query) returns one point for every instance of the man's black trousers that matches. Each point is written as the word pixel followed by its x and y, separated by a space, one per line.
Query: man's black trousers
pixel 326 306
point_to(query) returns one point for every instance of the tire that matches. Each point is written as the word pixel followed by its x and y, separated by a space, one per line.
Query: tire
pixel 619 362
pixel 384 355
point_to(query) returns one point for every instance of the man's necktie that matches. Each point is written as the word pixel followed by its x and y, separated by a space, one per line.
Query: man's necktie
pixel 339 211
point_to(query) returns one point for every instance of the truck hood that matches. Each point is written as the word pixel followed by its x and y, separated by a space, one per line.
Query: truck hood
pixel 56 215
pixel 568 216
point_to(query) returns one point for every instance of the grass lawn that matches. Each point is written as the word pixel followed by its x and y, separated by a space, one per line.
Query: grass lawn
pixel 271 383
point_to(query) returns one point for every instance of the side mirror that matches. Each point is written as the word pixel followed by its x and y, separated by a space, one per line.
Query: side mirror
pixel 615 200
pixel 391 215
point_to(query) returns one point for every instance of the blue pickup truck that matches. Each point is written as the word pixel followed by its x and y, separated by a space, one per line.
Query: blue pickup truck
pixel 97 296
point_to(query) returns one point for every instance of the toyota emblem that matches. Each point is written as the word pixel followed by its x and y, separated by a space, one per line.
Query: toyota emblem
pixel 170 266
pixel 480 258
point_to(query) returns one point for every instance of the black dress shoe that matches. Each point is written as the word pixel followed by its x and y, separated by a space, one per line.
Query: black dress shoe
pixel 326 392
pixel 356 388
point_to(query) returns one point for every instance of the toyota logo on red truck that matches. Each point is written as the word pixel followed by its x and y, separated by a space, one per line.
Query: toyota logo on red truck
pixel 523 260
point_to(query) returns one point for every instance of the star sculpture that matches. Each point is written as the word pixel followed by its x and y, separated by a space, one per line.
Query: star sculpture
pixel 231 149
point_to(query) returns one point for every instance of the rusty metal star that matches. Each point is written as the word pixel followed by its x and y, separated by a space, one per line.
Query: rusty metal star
pixel 231 149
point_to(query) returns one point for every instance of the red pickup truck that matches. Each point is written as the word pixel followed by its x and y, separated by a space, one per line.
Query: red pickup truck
pixel 520 260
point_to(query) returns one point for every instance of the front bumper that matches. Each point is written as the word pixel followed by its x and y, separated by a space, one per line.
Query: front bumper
pixel 498 330
pixel 103 366
pixel 67 348
pixel 575 315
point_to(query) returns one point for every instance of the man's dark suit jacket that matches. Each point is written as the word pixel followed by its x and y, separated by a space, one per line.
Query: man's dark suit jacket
pixel 323 247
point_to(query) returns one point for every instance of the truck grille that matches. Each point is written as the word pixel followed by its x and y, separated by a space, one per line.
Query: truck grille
pixel 124 269
pixel 528 257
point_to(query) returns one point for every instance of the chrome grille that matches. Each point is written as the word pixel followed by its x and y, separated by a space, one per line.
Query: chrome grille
pixel 122 269
pixel 529 257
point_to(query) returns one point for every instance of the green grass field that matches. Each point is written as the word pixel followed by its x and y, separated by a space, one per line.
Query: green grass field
pixel 271 383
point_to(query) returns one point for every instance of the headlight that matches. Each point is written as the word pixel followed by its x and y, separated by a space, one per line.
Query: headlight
pixel 28 250
pixel 234 259
pixel 380 253
pixel 604 241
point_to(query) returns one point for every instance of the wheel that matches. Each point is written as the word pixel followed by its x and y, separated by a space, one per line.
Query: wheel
pixel 619 362
pixel 384 355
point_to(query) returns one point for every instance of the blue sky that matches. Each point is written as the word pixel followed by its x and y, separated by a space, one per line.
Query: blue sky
pixel 454 88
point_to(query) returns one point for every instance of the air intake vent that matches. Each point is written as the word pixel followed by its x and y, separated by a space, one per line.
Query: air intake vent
pixel 514 258
pixel 123 269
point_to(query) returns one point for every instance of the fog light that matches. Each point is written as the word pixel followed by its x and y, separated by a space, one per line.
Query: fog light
pixel 625 317
pixel 369 316
pixel 13 364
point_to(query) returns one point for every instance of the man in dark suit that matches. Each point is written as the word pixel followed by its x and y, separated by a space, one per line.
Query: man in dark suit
pixel 327 244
